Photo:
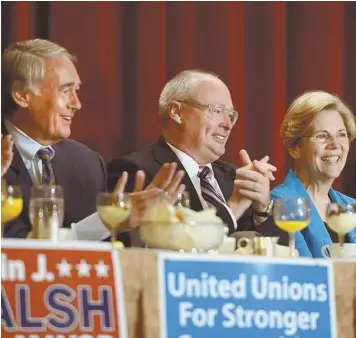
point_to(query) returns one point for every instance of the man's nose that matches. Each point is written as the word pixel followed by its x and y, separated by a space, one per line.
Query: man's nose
pixel 226 123
pixel 75 102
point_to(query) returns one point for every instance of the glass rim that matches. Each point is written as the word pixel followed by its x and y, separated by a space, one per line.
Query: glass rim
pixel 106 198
pixel 297 200
pixel 342 204
pixel 184 223
pixel 45 187
pixel 113 194
pixel 13 190
pixel 33 198
pixel 11 186
pixel 291 198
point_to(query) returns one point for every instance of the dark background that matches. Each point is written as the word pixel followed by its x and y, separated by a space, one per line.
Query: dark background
pixel 266 52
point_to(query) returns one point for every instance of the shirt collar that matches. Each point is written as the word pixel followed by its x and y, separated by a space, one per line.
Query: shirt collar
pixel 189 164
pixel 26 146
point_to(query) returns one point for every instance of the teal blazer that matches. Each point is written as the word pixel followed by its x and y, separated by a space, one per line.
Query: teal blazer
pixel 310 240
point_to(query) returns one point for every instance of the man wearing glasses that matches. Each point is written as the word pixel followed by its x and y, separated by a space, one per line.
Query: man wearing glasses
pixel 197 117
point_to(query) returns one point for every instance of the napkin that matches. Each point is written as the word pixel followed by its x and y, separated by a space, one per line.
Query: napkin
pixel 90 228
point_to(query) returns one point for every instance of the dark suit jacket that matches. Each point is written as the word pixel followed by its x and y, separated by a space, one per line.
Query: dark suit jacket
pixel 80 171
pixel 151 159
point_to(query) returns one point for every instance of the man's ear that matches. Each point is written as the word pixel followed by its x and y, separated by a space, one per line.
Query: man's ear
pixel 21 98
pixel 174 111
pixel 294 151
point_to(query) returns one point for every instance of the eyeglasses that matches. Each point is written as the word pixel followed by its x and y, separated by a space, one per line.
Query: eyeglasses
pixel 323 137
pixel 215 111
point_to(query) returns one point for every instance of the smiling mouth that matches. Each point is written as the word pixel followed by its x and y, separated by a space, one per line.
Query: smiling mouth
pixel 220 137
pixel 331 159
pixel 67 118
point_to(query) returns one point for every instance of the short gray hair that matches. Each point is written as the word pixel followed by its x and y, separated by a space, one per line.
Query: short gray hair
pixel 23 63
pixel 181 87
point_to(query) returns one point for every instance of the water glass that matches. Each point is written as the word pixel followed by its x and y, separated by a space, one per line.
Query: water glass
pixel 178 199
pixel 46 211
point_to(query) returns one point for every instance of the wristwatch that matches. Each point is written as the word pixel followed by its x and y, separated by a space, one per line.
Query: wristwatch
pixel 266 213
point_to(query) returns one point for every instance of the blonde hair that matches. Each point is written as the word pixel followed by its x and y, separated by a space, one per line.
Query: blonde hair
pixel 181 87
pixel 305 107
pixel 23 63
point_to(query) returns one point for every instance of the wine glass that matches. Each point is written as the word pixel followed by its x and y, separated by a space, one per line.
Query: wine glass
pixel 3 191
pixel 178 199
pixel 291 215
pixel 113 209
pixel 46 211
pixel 12 205
pixel 341 218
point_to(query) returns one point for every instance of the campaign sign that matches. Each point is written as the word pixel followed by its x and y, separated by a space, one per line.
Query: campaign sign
pixel 245 297
pixel 70 290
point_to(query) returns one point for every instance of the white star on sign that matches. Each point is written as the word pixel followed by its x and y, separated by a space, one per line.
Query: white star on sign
pixel 101 269
pixel 64 268
pixel 83 268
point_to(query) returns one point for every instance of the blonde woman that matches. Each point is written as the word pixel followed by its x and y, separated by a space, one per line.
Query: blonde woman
pixel 317 130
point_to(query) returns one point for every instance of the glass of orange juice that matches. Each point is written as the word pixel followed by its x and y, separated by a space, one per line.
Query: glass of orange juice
pixel 12 206
pixel 291 215
pixel 3 191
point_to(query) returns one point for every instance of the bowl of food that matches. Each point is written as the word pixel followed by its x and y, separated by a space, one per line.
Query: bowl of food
pixel 183 236
pixel 177 228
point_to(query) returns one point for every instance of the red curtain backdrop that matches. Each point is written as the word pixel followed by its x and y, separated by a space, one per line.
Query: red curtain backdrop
pixel 266 52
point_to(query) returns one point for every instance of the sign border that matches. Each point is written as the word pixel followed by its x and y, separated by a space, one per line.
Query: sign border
pixel 164 256
pixel 88 246
pixel 47 244
pixel 119 291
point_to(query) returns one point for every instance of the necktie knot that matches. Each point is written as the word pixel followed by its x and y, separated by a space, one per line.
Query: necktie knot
pixel 204 172
pixel 44 154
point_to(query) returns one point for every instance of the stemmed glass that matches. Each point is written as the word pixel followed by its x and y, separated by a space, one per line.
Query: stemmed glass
pixel 46 211
pixel 341 218
pixel 113 209
pixel 291 215
pixel 3 191
pixel 178 199
pixel 12 204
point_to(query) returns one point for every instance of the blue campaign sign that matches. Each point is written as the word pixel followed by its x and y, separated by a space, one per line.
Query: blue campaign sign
pixel 205 296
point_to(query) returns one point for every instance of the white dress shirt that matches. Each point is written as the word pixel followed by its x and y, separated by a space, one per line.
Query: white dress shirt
pixel 28 149
pixel 192 168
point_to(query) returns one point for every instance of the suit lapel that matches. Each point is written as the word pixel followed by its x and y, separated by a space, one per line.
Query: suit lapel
pixel 315 232
pixel 163 154
pixel 59 162
pixel 18 175
pixel 64 169
pixel 69 179
pixel 225 179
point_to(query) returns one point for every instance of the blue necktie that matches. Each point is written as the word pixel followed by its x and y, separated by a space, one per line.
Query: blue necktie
pixel 47 170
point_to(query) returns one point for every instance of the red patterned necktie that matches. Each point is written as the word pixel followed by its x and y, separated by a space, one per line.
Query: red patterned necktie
pixel 47 170
pixel 213 198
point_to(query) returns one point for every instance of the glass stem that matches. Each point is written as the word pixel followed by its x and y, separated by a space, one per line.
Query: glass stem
pixel 341 241
pixel 291 244
pixel 113 234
